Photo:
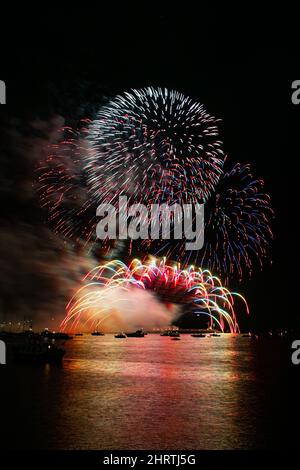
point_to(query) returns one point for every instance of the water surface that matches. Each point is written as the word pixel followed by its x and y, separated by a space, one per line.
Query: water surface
pixel 150 393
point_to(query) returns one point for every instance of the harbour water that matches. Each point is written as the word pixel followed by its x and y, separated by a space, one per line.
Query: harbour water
pixel 226 392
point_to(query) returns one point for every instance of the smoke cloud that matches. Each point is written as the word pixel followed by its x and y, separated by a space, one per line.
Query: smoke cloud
pixel 118 309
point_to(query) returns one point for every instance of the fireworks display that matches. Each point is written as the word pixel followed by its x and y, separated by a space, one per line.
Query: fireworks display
pixel 107 288
pixel 157 146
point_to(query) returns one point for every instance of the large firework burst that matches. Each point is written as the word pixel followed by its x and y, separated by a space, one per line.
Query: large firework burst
pixel 193 287
pixel 153 145
pixel 237 228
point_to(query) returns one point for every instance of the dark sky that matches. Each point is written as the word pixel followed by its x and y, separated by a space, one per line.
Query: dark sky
pixel 62 61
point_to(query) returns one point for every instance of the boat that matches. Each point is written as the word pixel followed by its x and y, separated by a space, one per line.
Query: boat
pixel 60 335
pixel 78 334
pixel 136 334
pixel 52 335
pixel 174 334
pixel 120 335
pixel 176 338
pixel 199 335
pixel 97 333
pixel 37 350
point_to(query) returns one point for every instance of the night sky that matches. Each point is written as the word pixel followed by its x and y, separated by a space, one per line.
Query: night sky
pixel 60 64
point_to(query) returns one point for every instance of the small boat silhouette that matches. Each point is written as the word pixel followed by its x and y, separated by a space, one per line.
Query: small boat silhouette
pixel 174 334
pixel 136 334
pixel 120 335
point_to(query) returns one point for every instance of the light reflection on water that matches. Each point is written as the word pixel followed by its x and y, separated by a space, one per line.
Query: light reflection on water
pixel 150 393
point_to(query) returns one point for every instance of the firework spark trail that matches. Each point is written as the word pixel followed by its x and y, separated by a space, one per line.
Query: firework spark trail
pixel 108 288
